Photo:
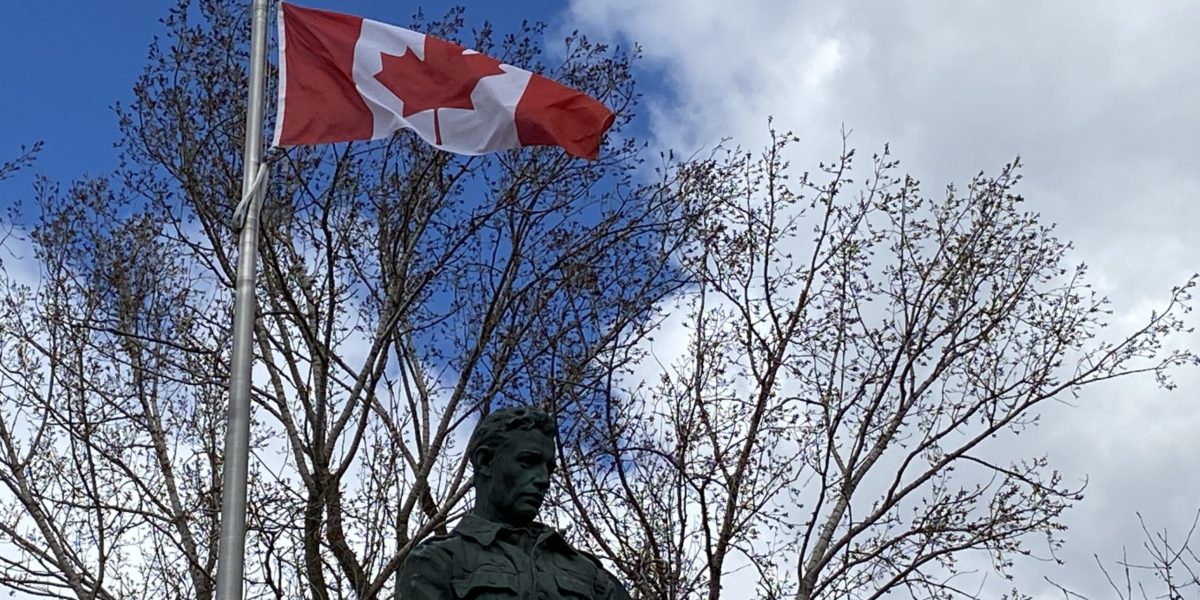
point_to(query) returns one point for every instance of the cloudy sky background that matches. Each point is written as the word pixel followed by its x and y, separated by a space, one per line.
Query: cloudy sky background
pixel 1101 99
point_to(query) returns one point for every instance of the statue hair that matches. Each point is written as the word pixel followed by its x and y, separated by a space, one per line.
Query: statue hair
pixel 495 427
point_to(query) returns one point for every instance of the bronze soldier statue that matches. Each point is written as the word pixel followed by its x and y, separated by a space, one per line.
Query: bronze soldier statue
pixel 498 551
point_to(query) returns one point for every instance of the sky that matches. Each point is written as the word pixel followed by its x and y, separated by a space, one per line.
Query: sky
pixel 1100 98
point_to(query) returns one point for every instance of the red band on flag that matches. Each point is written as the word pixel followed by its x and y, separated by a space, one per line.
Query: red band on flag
pixel 552 114
pixel 317 81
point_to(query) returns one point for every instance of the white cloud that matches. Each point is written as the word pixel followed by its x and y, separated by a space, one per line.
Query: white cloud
pixel 1099 98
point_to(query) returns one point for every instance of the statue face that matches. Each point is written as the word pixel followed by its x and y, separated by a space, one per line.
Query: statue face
pixel 519 475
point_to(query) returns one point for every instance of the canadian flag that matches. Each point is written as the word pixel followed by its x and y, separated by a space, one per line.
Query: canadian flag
pixel 344 78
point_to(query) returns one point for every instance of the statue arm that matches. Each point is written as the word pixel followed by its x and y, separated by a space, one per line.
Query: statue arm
pixel 425 575
pixel 611 587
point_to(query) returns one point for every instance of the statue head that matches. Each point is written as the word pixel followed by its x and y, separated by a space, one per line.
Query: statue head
pixel 512 454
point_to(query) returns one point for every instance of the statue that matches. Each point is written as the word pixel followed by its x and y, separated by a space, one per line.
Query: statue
pixel 498 550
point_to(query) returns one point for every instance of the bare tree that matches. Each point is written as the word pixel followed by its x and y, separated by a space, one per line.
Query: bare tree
pixel 402 291
pixel 826 417
pixel 24 159
pixel 1167 567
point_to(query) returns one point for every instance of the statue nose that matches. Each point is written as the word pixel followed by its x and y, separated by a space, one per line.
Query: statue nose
pixel 542 479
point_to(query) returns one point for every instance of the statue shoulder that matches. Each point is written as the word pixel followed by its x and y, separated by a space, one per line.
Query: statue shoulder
pixel 439 547
pixel 609 587
pixel 453 548
pixel 592 558
pixel 426 571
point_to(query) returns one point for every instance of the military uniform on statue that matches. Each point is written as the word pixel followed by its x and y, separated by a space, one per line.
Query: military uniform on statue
pixel 499 550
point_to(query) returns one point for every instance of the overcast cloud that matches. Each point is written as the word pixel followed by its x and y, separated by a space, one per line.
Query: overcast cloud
pixel 1101 99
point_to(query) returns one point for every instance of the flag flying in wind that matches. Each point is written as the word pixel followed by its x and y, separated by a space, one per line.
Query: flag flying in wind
pixel 344 78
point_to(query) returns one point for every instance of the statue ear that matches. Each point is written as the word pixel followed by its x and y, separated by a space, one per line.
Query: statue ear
pixel 483 461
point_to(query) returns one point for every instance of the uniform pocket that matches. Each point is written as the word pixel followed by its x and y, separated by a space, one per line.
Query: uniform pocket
pixel 573 587
pixel 485 585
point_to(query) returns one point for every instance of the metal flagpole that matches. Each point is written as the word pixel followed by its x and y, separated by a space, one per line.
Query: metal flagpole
pixel 232 546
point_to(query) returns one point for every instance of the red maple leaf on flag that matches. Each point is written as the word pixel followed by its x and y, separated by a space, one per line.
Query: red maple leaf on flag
pixel 445 79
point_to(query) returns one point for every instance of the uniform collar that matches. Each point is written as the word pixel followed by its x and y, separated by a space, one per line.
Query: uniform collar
pixel 484 531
